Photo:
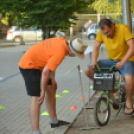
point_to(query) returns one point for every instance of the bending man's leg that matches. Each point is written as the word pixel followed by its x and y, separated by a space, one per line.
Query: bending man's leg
pixel 34 113
pixel 50 101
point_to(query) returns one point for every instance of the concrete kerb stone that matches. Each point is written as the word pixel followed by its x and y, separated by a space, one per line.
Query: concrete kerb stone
pixel 73 116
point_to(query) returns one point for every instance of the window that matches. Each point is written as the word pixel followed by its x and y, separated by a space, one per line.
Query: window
pixel 28 29
pixel 34 28
pixel 17 29
pixel 92 27
pixel 97 26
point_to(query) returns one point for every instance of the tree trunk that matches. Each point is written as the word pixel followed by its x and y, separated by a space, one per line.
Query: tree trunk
pixel 43 30
pixel 55 30
pixel 46 33
pixel 10 23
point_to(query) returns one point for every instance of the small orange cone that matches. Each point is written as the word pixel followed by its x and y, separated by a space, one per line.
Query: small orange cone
pixel 73 108
pixel 82 98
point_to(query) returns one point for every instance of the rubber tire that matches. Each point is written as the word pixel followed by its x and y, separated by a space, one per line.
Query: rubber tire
pixel 17 37
pixel 96 114
pixel 115 106
pixel 123 99
pixel 115 101
pixel 89 37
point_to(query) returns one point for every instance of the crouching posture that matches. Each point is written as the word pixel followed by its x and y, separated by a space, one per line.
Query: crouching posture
pixel 119 42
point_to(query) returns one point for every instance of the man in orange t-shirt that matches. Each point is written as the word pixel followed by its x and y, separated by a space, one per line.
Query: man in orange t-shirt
pixel 38 66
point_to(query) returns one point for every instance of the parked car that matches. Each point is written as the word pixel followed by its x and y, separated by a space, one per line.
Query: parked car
pixel 60 34
pixel 92 31
pixel 31 33
pixel 16 34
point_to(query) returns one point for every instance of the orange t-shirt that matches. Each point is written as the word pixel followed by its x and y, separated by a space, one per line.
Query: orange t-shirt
pixel 48 53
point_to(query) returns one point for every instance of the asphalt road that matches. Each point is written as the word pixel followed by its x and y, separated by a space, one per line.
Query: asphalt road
pixel 4 42
pixel 10 42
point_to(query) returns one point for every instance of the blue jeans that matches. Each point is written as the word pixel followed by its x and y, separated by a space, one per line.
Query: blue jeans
pixel 127 69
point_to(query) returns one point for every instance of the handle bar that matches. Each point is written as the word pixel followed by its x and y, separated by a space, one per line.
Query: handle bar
pixel 109 69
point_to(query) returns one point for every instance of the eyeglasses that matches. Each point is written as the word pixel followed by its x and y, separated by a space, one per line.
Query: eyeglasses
pixel 108 32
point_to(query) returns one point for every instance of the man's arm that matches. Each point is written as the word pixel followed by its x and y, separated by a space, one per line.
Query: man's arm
pixel 95 54
pixel 129 54
pixel 44 80
pixel 54 84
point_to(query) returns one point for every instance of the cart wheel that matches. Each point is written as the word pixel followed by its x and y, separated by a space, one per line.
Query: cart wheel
pixel 123 99
pixel 117 101
pixel 101 113
pixel 115 106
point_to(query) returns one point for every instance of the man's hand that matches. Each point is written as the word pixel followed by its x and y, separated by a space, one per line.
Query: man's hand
pixel 92 66
pixel 120 64
pixel 42 96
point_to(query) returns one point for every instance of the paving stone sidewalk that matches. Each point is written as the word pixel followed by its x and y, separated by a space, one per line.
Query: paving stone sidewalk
pixel 121 124
pixel 15 118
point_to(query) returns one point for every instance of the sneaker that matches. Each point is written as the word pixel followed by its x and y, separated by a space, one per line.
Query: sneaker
pixel 60 124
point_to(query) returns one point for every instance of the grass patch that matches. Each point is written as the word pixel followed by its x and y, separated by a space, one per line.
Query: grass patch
pixel 6 45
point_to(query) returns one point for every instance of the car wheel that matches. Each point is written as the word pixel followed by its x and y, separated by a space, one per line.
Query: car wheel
pixel 91 36
pixel 17 39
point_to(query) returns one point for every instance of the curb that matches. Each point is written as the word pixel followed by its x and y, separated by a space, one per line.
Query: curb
pixel 73 116
pixel 7 46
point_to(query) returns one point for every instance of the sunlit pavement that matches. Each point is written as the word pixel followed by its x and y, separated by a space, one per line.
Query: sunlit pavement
pixel 14 119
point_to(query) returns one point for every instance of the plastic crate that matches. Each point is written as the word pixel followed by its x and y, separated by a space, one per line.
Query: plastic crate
pixel 103 81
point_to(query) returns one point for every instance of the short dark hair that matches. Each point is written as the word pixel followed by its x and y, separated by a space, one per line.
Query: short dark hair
pixel 104 22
